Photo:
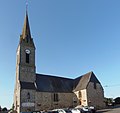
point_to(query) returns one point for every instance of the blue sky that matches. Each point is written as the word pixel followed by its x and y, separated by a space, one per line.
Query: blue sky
pixel 72 37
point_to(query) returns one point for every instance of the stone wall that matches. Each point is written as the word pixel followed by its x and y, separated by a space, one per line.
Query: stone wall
pixel 45 101
pixel 95 95
pixel 17 98
pixel 23 54
pixel 27 100
pixel 25 75
pixel 92 96
pixel 26 71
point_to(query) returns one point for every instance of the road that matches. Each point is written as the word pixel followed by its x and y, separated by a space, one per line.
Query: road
pixel 110 110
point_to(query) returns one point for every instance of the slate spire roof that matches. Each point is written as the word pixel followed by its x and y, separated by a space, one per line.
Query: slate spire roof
pixel 26 28
pixel 26 34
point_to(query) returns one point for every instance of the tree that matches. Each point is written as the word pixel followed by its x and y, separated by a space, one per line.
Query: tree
pixel 117 100
pixel 109 101
pixel 4 109
pixel 12 107
pixel 0 109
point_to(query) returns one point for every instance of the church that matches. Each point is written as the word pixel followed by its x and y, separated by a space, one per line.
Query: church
pixel 37 92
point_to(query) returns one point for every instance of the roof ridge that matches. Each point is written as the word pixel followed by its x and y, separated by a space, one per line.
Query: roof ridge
pixel 55 76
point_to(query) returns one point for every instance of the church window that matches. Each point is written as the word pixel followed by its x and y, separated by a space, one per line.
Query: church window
pixel 27 57
pixel 28 95
pixel 55 97
pixel 79 94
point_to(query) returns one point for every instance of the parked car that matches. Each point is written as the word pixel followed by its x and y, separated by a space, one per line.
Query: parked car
pixel 75 110
pixel 93 109
pixel 58 111
pixel 52 112
pixel 68 110
pixel 86 109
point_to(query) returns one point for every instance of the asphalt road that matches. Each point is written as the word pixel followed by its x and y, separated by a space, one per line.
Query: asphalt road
pixel 110 110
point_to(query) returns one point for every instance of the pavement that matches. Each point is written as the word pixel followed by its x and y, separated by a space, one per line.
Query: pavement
pixel 112 109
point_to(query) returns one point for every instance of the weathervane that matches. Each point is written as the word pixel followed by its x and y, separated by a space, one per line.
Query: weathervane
pixel 26 5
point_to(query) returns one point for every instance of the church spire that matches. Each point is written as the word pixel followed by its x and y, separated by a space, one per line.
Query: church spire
pixel 25 37
pixel 26 28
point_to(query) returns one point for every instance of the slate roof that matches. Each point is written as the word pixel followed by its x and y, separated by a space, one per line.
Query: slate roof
pixel 83 81
pixel 28 85
pixel 49 83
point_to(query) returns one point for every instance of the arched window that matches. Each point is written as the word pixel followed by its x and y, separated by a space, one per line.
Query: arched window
pixel 28 95
pixel 79 94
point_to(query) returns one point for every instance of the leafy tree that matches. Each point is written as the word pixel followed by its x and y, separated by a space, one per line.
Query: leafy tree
pixel 4 109
pixel 109 101
pixel 117 100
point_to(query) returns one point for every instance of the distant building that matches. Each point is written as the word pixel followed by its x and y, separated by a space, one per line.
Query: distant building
pixel 35 92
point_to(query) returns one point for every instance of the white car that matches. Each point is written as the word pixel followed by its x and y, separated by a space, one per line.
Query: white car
pixel 59 110
pixel 75 110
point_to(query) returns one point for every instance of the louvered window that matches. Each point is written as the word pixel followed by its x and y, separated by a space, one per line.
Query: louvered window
pixel 27 58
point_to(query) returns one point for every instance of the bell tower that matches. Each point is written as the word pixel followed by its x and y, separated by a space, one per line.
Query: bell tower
pixel 25 67
pixel 24 92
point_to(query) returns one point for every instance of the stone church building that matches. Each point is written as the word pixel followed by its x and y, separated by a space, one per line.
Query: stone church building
pixel 36 92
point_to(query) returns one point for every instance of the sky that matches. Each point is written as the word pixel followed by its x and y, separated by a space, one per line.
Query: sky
pixel 72 37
